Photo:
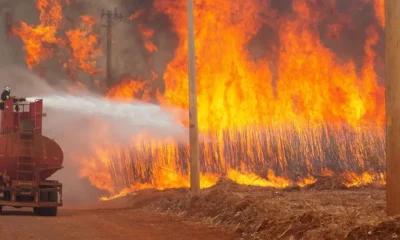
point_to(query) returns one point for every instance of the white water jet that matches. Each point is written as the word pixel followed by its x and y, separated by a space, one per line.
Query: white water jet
pixel 133 116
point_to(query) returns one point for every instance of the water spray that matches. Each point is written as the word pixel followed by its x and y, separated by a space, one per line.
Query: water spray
pixel 133 115
pixel 31 99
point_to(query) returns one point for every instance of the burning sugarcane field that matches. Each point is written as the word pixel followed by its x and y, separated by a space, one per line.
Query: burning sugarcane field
pixel 291 118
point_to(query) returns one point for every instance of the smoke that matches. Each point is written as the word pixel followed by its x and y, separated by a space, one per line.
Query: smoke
pixel 80 122
pixel 129 57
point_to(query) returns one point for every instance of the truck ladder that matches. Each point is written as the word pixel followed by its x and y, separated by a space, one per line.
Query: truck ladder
pixel 26 158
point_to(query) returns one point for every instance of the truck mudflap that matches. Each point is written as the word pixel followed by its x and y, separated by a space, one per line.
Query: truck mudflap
pixel 44 196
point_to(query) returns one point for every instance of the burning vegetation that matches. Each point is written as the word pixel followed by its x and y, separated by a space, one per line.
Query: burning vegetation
pixel 282 102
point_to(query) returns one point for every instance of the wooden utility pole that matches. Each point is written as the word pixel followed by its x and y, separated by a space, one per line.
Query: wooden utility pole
pixel 110 16
pixel 193 120
pixel 392 72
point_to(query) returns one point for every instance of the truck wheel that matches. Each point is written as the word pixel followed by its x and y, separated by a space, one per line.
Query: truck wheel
pixel 46 211
pixel 52 211
pixel 36 211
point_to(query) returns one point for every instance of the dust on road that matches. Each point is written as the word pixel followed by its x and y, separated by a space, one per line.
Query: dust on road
pixel 112 224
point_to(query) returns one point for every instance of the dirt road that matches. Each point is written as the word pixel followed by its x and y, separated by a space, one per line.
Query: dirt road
pixel 117 224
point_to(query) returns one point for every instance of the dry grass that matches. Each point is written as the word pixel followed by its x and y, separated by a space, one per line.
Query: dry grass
pixel 262 213
pixel 326 209
pixel 291 152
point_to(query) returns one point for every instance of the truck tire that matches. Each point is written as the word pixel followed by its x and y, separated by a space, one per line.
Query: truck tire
pixel 49 211
pixel 49 197
pixel 46 211
pixel 36 211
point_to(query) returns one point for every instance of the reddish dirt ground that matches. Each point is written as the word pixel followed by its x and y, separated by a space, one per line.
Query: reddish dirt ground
pixel 111 224
pixel 324 210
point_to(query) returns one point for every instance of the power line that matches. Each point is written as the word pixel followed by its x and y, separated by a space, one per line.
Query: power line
pixel 113 18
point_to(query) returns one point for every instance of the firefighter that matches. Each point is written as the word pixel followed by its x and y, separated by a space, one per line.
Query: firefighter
pixel 5 95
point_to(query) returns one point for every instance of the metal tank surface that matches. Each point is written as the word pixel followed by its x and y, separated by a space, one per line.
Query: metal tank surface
pixel 28 159
pixel 46 152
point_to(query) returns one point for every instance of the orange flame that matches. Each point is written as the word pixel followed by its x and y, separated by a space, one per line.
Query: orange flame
pixel 379 6
pixel 147 34
pixel 38 40
pixel 84 46
pixel 44 42
pixel 129 90
pixel 312 87
pixel 261 119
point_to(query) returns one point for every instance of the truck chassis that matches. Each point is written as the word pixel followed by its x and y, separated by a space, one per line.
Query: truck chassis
pixel 43 196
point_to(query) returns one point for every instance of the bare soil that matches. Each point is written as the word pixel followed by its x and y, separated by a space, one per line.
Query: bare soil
pixel 324 210
pixel 107 224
